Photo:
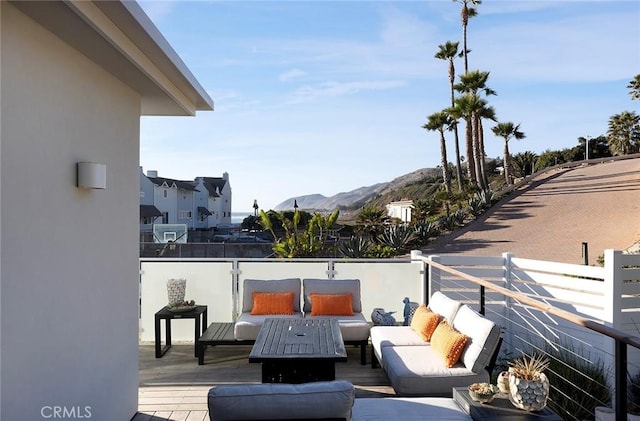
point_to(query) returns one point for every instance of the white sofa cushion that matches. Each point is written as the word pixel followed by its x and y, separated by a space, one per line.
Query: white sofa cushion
pixel 483 339
pixel 444 306
pixel 382 336
pixel 247 326
pixel 332 286
pixel 420 371
pixel 408 409
pixel 352 328
pixel 332 399
pixel 274 285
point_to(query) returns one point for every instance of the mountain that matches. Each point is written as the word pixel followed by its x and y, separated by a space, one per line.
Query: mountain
pixel 360 196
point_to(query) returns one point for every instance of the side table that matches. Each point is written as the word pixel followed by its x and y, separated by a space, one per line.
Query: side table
pixel 199 314
pixel 498 409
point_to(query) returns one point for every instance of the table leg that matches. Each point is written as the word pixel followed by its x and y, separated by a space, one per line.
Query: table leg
pixel 161 350
pixel 197 336
pixel 157 335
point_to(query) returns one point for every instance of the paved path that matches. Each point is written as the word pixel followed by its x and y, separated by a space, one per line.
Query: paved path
pixel 550 218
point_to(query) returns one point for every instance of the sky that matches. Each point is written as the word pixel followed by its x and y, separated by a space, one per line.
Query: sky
pixel 326 97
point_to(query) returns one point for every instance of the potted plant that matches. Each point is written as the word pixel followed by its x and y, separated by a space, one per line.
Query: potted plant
pixel 482 392
pixel 528 385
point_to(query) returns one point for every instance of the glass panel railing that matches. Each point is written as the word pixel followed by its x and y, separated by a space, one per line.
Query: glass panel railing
pixel 385 284
pixel 218 283
pixel 208 282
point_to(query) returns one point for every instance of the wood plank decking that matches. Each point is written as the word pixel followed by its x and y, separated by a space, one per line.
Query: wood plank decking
pixel 175 387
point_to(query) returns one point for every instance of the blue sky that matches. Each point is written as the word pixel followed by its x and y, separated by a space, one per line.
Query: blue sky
pixel 325 97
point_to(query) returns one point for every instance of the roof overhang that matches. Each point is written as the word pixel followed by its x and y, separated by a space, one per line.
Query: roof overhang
pixel 119 37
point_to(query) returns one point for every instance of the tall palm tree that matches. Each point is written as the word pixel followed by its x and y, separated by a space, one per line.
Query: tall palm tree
pixel 460 110
pixel 475 83
pixel 624 133
pixel 634 87
pixel 441 121
pixel 465 13
pixel 448 52
pixel 507 131
pixel 488 113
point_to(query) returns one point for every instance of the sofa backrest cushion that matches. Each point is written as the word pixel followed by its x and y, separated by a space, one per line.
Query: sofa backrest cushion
pixel 315 400
pixel 484 336
pixel 332 286
pixel 444 306
pixel 275 285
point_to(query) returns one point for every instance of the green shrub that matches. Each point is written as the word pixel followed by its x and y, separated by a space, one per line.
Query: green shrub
pixel 578 384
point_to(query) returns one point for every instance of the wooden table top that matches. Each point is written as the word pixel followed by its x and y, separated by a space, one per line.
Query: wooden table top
pixel 314 339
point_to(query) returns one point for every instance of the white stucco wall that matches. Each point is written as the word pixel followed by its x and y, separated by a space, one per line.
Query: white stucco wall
pixel 69 269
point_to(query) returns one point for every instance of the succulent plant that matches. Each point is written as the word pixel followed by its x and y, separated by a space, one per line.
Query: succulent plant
pixel 529 367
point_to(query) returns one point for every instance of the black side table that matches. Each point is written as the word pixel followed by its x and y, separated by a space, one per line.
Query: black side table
pixel 199 314
pixel 499 409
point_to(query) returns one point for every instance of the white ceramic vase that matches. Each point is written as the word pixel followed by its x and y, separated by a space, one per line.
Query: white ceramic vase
pixel 527 394
pixel 176 289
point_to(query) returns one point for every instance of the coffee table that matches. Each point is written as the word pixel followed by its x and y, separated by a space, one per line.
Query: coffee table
pixel 298 350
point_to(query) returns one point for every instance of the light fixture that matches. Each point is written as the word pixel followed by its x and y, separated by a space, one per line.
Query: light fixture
pixel 92 175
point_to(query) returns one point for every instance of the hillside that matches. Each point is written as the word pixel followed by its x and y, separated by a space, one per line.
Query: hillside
pixel 413 185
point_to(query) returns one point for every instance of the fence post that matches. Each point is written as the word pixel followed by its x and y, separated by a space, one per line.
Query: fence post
pixel 612 317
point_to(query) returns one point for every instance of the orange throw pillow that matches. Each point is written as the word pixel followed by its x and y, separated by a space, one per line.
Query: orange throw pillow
pixel 265 303
pixel 449 343
pixel 425 322
pixel 331 304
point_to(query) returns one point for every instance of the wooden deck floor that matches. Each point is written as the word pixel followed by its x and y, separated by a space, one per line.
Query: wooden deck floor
pixel 175 387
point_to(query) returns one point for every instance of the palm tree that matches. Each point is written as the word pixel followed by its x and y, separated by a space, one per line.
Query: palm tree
pixel 507 131
pixel 474 83
pixel 440 122
pixel 634 87
pixel 624 133
pixel 465 13
pixel 461 110
pixel 371 222
pixel 448 52
pixel 524 163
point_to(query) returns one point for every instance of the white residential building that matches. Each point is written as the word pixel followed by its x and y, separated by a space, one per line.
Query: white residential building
pixel 401 210
pixel 201 204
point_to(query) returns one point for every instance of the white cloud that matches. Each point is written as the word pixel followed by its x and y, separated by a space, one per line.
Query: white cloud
pixel 291 74
pixel 334 89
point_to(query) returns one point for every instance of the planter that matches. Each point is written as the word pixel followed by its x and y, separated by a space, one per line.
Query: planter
pixel 175 291
pixel 503 382
pixel 529 395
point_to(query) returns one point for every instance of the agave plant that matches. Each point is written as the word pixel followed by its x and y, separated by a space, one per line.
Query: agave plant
pixel 355 247
pixel 397 237
pixel 425 230
pixel 529 367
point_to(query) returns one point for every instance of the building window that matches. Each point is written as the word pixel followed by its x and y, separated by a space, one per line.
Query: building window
pixel 164 192
pixel 184 214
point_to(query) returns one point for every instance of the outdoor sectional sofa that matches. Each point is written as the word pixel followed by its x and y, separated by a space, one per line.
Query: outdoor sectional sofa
pixel 353 327
pixel 415 368
pixel 333 400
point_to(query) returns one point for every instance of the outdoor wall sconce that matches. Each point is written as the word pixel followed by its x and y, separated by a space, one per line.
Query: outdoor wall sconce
pixel 92 175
